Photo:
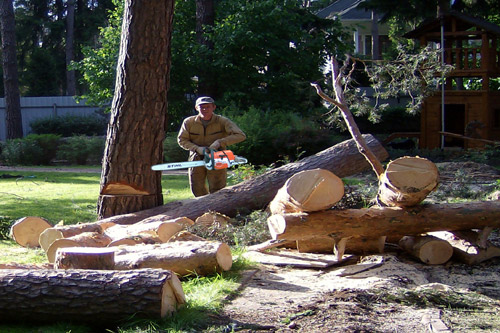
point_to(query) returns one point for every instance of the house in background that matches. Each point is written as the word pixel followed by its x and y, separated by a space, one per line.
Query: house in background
pixel 471 103
pixel 369 36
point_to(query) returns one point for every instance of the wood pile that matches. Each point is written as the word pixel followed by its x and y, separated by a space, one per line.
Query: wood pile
pixel 399 217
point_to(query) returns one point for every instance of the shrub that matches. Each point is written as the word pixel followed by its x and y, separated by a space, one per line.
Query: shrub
pixel 172 152
pixel 68 126
pixel 35 149
pixel 82 149
pixel 278 135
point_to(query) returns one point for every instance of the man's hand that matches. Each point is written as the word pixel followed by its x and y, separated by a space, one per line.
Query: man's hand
pixel 215 145
pixel 200 150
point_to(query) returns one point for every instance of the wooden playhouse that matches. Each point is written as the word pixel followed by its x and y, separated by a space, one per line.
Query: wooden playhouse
pixel 471 104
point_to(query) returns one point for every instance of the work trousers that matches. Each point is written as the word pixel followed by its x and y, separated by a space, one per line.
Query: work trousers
pixel 199 176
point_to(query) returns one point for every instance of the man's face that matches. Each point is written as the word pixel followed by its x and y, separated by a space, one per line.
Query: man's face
pixel 206 111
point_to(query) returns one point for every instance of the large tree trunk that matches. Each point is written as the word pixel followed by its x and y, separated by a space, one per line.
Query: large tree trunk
pixel 382 221
pixel 139 111
pixel 13 118
pixel 87 296
pixel 342 159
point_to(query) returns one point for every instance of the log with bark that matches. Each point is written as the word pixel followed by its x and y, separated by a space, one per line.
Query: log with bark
pixel 85 239
pixel 380 221
pixel 162 229
pixel 354 245
pixel 342 159
pixel 85 258
pixel 26 231
pixel 49 235
pixel 88 296
pixel 407 181
pixel 183 258
pixel 308 191
pixel 428 249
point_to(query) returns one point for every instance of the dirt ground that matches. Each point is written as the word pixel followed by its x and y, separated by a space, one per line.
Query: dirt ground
pixel 388 292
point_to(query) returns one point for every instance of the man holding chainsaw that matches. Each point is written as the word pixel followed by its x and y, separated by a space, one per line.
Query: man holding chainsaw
pixel 207 130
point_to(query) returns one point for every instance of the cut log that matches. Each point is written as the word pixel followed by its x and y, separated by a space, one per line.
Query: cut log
pixel 184 236
pixel 86 239
pixel 85 258
pixel 183 258
pixel 342 159
pixel 308 191
pixel 354 245
pixel 143 238
pixel 407 181
pixel 162 229
pixel 26 231
pixel 48 236
pixel 429 249
pixel 380 221
pixel 212 219
pixel 88 296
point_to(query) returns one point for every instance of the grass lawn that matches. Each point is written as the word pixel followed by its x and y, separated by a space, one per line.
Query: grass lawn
pixel 72 197
pixel 65 196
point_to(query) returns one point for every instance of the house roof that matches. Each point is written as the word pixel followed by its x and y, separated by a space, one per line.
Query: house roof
pixel 464 22
pixel 346 10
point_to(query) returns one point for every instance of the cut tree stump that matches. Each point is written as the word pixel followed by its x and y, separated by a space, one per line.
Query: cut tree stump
pixel 26 231
pixel 48 236
pixel 85 258
pixel 429 249
pixel 380 221
pixel 342 159
pixel 407 181
pixel 88 296
pixel 183 258
pixel 85 239
pixel 308 191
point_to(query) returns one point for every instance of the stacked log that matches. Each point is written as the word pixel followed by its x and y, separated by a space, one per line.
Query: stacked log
pixel 100 297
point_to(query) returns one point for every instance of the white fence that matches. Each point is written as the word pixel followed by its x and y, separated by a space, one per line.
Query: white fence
pixel 43 107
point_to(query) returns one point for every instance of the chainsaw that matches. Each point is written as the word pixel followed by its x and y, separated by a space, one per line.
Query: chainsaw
pixel 213 160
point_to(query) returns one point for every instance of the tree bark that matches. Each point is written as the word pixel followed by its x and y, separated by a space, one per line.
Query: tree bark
pixel 139 110
pixel 88 296
pixel 342 159
pixel 85 258
pixel 26 231
pixel 308 191
pixel 205 18
pixel 407 181
pixel 182 258
pixel 381 221
pixel 13 117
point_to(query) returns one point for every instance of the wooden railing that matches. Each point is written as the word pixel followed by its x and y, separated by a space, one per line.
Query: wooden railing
pixel 464 58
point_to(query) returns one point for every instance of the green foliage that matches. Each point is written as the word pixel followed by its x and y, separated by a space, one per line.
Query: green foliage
pixel 35 149
pixel 277 135
pixel 172 152
pixel 265 54
pixel 5 224
pixel 70 125
pixel 82 149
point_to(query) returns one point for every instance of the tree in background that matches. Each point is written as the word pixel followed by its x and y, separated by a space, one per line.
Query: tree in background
pixel 264 54
pixel 13 116
pixel 42 35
